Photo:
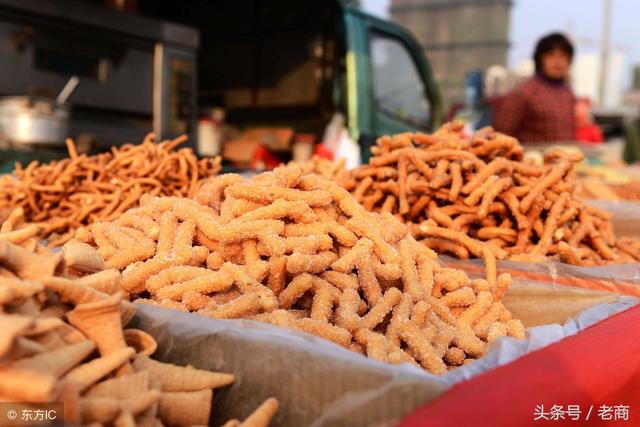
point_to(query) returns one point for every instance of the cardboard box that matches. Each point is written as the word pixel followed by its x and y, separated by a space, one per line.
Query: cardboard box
pixel 240 151
pixel 274 139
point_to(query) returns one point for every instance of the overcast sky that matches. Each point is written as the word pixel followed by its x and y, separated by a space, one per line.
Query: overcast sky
pixel 581 18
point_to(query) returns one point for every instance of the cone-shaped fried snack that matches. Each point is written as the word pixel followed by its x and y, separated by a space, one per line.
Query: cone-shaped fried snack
pixel 42 325
pixel 70 335
pixel 185 408
pixel 141 341
pixel 73 291
pixel 13 325
pixel 148 417
pixel 23 385
pixel 106 281
pixel 125 419
pixel 52 340
pixel 24 347
pixel 140 403
pixel 6 294
pixel 57 310
pixel 28 265
pixel 58 362
pixel 82 257
pixel 99 409
pixel 38 347
pixel 181 378
pixel 70 397
pixel 262 416
pixel 89 373
pixel 123 387
pixel 17 288
pixel 30 307
pixel 27 307
pixel 101 322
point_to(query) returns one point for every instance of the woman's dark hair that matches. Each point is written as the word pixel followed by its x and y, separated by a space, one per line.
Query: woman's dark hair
pixel 549 43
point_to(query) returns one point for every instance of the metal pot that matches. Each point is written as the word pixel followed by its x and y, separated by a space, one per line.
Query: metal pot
pixel 32 120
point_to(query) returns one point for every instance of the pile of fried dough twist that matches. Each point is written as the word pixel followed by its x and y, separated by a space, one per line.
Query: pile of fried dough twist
pixel 475 197
pixel 299 251
pixel 63 195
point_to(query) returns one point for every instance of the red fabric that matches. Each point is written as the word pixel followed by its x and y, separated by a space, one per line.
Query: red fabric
pixel 537 111
pixel 589 133
pixel 262 157
pixel 598 366
pixel 323 152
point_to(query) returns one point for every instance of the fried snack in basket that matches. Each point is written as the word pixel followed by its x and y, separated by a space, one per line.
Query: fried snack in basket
pixel 299 251
pixel 100 372
pixel 628 191
pixel 327 169
pixel 59 197
pixel 476 197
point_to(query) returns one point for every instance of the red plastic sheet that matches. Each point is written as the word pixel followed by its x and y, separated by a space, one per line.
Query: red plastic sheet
pixel 596 369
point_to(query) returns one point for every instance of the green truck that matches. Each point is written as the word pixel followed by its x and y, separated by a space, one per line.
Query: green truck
pixel 390 87
pixel 296 63
pixel 283 63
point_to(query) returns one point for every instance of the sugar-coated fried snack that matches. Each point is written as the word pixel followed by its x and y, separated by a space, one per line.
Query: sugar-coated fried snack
pixel 376 345
pixel 422 348
pixel 324 168
pixel 401 314
pixel 264 194
pixel 368 281
pixel 455 356
pixel 299 263
pixel 300 252
pixel 476 197
pixel 324 330
pixel 380 310
pixel 296 288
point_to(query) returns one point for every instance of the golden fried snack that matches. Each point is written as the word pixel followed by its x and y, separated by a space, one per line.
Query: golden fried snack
pixel 60 197
pixel 476 197
pixel 82 257
pixel 262 416
pixel 179 378
pixel 300 252
pixel 422 348
pixel 326 169
pixel 26 264
pixel 45 359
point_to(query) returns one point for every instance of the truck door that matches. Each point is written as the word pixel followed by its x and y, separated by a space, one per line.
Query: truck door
pixel 390 87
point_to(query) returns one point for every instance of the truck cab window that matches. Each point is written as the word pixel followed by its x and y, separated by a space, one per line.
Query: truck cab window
pixel 398 88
